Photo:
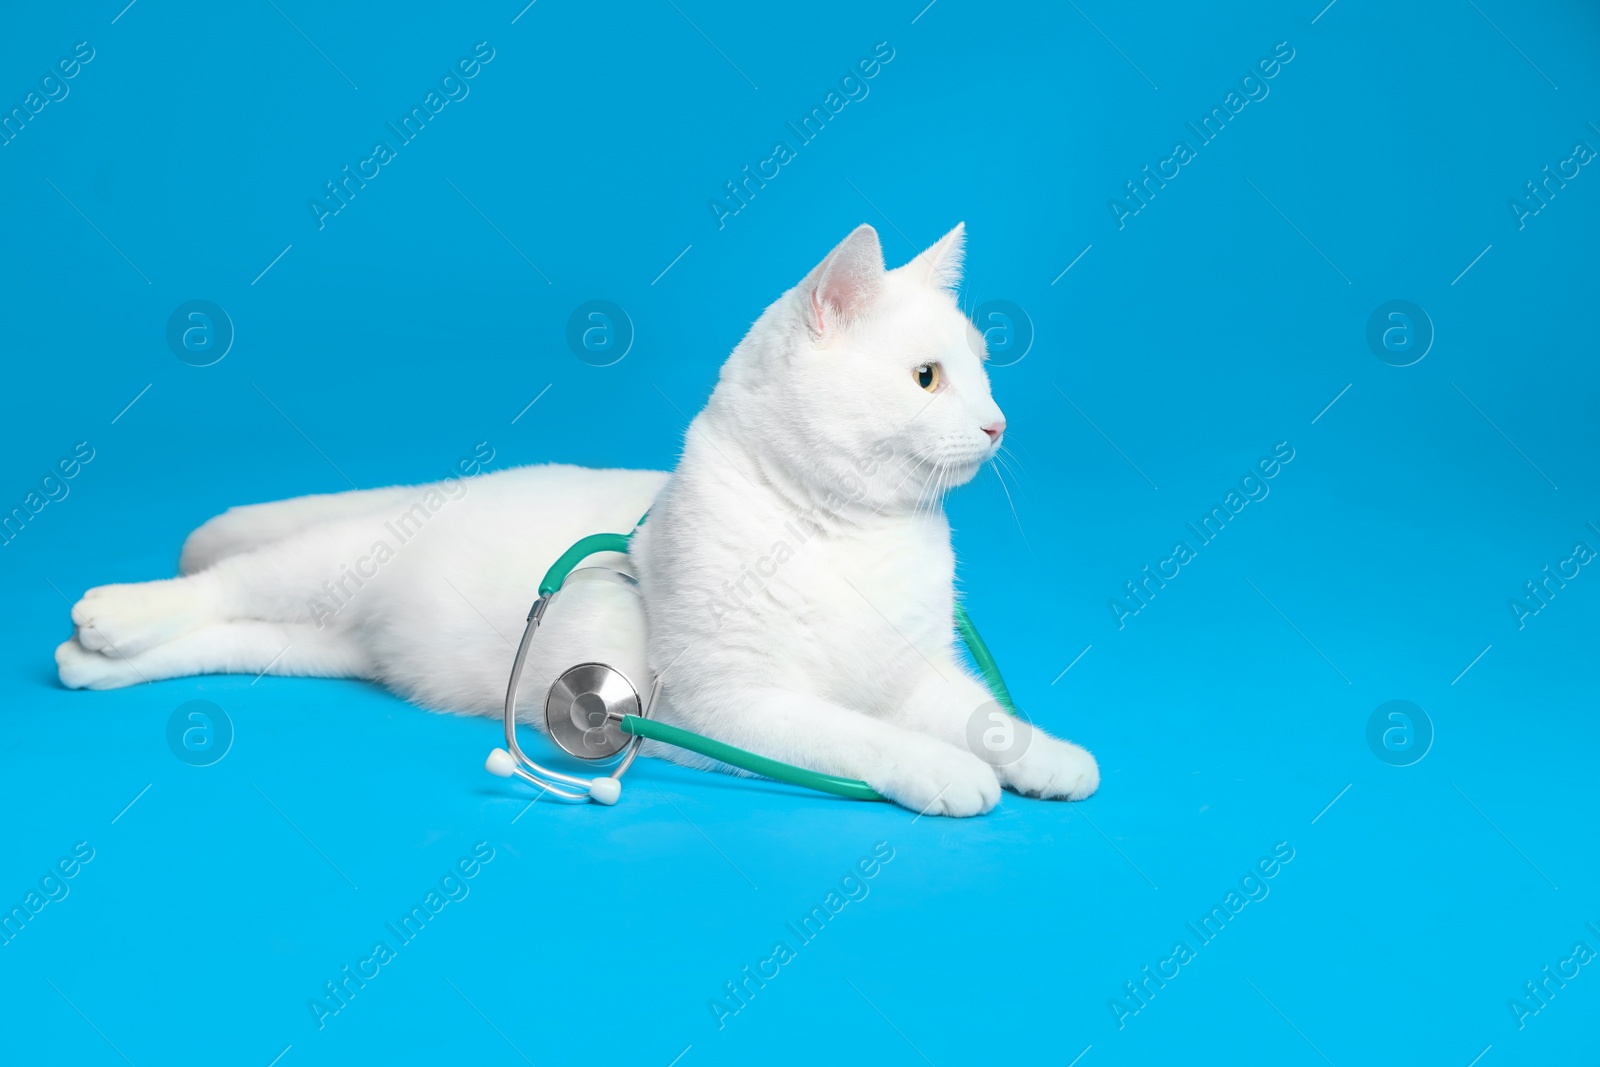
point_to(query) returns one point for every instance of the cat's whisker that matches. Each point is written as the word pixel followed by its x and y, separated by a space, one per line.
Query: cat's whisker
pixel 908 463
pixel 946 478
pixel 922 494
pixel 1015 455
pixel 929 488
pixel 910 467
pixel 1014 516
pixel 1018 473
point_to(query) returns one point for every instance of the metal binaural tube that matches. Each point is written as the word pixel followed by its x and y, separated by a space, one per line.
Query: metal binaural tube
pixel 546 786
pixel 534 616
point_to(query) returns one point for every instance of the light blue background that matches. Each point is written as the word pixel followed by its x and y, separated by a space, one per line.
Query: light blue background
pixel 1221 320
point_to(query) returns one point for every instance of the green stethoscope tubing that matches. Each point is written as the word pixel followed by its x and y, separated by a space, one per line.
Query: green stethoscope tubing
pixel 850 788
pixel 580 551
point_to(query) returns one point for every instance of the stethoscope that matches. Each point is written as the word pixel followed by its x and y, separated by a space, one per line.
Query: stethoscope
pixel 594 712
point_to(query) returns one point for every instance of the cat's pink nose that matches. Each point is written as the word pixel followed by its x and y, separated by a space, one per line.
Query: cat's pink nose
pixel 995 429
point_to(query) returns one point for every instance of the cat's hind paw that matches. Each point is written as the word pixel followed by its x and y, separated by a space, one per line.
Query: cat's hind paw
pixel 80 668
pixel 125 620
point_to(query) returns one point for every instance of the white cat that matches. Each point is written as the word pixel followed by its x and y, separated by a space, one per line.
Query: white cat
pixel 796 568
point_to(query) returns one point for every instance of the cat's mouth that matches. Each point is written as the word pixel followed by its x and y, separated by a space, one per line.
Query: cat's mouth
pixel 962 469
pixel 977 459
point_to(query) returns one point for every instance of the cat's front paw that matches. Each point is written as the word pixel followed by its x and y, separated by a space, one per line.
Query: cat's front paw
pixel 1052 769
pixel 128 619
pixel 939 779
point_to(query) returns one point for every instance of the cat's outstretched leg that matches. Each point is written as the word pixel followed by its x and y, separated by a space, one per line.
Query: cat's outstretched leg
pixel 220 648
pixel 910 768
pixel 275 583
pixel 252 526
pixel 955 708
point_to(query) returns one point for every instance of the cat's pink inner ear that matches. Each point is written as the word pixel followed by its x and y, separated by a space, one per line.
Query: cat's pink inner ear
pixel 847 282
pixel 940 264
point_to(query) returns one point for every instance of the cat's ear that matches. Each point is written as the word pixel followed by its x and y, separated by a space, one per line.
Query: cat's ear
pixel 846 283
pixel 940 264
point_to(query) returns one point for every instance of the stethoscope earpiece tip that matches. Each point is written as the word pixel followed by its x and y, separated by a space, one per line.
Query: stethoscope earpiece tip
pixel 500 764
pixel 603 790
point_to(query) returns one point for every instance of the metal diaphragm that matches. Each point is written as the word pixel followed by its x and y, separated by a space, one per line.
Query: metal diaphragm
pixel 584 707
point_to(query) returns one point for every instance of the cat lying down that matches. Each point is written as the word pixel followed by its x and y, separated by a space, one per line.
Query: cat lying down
pixel 796 568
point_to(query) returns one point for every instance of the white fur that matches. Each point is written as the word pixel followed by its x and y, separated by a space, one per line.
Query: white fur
pixel 796 568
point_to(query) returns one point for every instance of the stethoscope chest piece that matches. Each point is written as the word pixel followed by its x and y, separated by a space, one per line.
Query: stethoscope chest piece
pixel 584 710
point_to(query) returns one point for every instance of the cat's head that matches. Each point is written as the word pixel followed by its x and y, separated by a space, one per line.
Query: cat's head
pixel 867 382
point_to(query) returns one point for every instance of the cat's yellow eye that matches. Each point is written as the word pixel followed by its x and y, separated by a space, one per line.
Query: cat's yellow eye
pixel 927 376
